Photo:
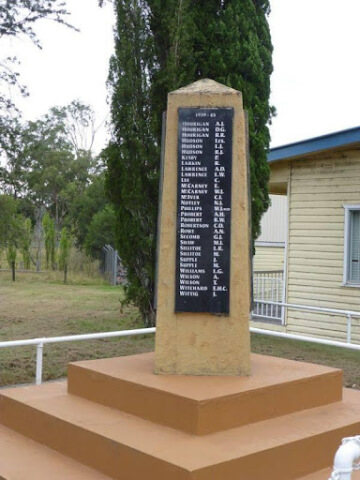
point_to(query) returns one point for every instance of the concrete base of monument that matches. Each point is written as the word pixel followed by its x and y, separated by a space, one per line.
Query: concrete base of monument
pixel 118 420
pixel 198 404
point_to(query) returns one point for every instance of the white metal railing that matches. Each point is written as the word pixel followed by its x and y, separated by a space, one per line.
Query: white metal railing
pixel 40 342
pixel 334 311
pixel 268 287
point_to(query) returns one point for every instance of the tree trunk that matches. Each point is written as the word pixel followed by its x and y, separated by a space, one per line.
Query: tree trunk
pixel 56 215
pixel 13 270
pixel 65 273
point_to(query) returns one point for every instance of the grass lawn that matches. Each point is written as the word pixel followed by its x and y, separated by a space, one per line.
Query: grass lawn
pixel 34 307
pixel 348 360
pixel 31 308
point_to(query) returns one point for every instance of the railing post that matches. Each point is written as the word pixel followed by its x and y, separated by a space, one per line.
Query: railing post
pixel 348 335
pixel 115 267
pixel 39 362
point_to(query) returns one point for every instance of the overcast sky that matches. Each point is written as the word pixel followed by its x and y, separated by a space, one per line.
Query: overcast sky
pixel 315 85
pixel 316 80
pixel 71 65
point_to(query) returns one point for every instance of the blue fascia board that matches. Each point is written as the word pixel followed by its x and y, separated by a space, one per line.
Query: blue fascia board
pixel 314 145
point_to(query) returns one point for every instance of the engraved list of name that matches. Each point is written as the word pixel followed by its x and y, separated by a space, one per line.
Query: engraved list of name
pixel 203 210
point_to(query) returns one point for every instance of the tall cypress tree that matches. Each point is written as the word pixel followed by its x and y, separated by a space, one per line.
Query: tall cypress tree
pixel 133 155
pixel 233 46
pixel 160 46
pixel 173 28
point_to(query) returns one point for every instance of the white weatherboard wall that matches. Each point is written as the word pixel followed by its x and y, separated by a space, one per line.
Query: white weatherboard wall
pixel 274 221
pixel 319 187
pixel 269 258
pixel 270 245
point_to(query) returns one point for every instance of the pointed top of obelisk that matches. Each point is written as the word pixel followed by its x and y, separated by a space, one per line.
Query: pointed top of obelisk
pixel 206 85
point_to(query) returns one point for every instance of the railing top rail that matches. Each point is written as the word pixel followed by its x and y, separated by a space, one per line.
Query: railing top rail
pixel 74 338
pixel 311 308
pixel 303 338
pixel 142 331
pixel 268 271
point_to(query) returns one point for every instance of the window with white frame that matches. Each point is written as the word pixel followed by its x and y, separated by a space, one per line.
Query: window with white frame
pixel 352 245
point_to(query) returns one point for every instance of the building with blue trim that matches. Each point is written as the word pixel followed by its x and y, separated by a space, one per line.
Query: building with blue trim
pixel 321 178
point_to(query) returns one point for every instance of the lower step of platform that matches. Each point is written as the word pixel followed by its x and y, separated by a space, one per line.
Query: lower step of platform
pixel 24 459
pixel 125 447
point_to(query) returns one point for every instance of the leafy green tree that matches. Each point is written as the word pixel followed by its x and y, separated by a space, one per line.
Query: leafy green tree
pixel 133 156
pixel 174 30
pixel 17 20
pixel 11 257
pixel 13 171
pixel 50 182
pixel 38 236
pixel 231 44
pixel 234 47
pixel 48 162
pixel 11 222
pixel 83 208
pixel 57 172
pixel 50 238
pixel 101 232
pixel 25 243
pixel 64 252
pixel 8 209
pixel 160 46
pixel 17 17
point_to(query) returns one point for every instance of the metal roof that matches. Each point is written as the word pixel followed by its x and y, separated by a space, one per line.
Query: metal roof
pixel 314 145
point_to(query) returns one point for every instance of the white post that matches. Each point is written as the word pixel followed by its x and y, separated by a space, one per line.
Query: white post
pixel 348 335
pixel 115 266
pixel 256 295
pixel 284 275
pixel 39 362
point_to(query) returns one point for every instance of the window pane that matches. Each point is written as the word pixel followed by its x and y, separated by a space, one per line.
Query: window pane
pixel 355 246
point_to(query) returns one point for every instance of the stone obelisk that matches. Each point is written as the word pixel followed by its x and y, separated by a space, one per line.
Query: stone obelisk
pixel 204 279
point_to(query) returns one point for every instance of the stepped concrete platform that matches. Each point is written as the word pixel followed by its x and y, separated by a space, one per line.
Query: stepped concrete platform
pixel 131 446
pixel 276 387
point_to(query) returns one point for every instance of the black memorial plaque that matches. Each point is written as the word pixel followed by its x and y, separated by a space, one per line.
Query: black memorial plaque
pixel 203 210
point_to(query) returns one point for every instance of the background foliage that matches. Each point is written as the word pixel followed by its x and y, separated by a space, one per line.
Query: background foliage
pixel 160 46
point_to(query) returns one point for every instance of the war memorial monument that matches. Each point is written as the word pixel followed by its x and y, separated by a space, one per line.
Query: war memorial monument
pixel 201 407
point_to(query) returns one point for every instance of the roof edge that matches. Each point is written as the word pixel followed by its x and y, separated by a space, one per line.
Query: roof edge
pixel 315 145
